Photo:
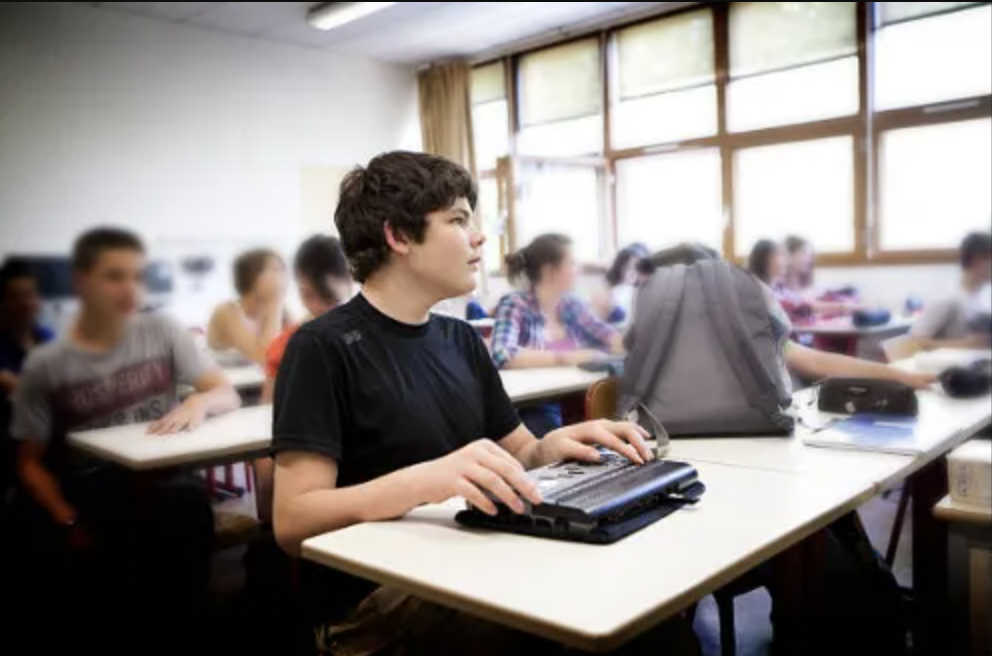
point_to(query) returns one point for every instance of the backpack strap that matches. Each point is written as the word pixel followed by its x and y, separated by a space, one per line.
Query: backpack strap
pixel 727 319
pixel 658 307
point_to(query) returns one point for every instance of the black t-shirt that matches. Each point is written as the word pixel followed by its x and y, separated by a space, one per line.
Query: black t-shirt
pixel 377 395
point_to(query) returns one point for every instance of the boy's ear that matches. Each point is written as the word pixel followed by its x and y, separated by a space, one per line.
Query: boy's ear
pixel 396 240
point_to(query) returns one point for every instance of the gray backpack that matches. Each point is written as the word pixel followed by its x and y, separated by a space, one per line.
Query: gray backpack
pixel 702 356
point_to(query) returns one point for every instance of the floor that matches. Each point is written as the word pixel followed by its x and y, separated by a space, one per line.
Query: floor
pixel 754 631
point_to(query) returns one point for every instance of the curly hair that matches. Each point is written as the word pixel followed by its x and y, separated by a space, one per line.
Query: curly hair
pixel 398 189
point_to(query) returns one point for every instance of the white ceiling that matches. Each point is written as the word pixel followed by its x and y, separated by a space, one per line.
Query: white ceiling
pixel 407 33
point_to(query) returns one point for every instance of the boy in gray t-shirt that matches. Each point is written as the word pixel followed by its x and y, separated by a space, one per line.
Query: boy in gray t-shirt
pixel 949 322
pixel 144 546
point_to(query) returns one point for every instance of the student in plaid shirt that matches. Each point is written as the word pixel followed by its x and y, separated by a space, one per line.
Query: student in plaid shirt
pixel 544 326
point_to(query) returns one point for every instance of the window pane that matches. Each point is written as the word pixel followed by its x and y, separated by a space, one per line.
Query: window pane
pixel 804 188
pixel 665 118
pixel 667 199
pixel 488 83
pixel 799 95
pixel 892 12
pixel 492 223
pixel 583 136
pixel 491 131
pixel 770 36
pixel 561 83
pixel 564 199
pixel 935 184
pixel 665 55
pixel 955 60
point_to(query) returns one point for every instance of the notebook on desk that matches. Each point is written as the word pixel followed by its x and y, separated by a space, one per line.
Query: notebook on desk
pixel 868 432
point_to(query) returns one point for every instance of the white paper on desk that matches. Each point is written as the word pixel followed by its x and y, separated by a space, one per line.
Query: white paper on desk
pixel 880 433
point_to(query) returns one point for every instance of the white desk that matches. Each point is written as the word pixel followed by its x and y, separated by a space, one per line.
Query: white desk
pixel 588 596
pixel 246 377
pixel 953 421
pixel 844 327
pixel 248 431
pixel 935 362
pixel 526 385
pixel 231 437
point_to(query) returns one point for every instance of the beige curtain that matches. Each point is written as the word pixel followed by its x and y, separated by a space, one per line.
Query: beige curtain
pixel 446 112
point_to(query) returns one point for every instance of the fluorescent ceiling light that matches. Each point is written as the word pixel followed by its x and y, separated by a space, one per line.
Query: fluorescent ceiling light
pixel 336 14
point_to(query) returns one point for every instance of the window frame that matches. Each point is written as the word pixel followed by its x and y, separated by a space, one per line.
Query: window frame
pixel 865 128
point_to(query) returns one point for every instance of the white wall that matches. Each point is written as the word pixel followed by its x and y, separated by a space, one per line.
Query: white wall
pixel 200 141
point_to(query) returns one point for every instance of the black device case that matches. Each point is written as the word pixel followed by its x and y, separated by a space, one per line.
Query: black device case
pixel 864 395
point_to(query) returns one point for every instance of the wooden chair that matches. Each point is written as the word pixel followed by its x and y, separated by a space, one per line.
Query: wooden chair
pixel 601 399
pixel 601 403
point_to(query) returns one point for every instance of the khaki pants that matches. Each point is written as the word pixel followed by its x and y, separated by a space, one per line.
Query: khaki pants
pixel 392 623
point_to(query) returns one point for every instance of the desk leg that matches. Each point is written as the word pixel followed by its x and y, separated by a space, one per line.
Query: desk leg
pixel 798 587
pixel 929 486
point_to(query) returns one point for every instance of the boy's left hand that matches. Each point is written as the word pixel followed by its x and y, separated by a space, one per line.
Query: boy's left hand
pixel 187 417
pixel 579 442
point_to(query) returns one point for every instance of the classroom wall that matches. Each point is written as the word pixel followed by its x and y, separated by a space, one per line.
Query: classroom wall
pixel 203 142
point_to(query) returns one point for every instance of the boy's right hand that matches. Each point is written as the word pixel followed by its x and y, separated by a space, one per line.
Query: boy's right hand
pixel 473 471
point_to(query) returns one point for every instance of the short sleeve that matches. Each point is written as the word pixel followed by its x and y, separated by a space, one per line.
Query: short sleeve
pixel 310 403
pixel 933 322
pixel 190 363
pixel 594 332
pixel 276 351
pixel 501 417
pixel 32 404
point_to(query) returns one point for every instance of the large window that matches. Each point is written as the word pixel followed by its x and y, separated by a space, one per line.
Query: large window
pixel 791 62
pixel 561 100
pixel 664 200
pixel 805 187
pixel 490 115
pixel 935 184
pixel 565 199
pixel 493 222
pixel 864 127
pixel 665 82
pixel 924 56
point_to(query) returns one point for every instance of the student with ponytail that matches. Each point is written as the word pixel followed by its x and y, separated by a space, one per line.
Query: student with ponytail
pixel 544 325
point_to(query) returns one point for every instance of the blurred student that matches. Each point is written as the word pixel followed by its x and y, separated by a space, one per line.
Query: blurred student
pixel 951 321
pixel 615 304
pixel 382 406
pixel 20 333
pixel 91 530
pixel 798 284
pixel 544 325
pixel 241 331
pixel 324 281
pixel 769 262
